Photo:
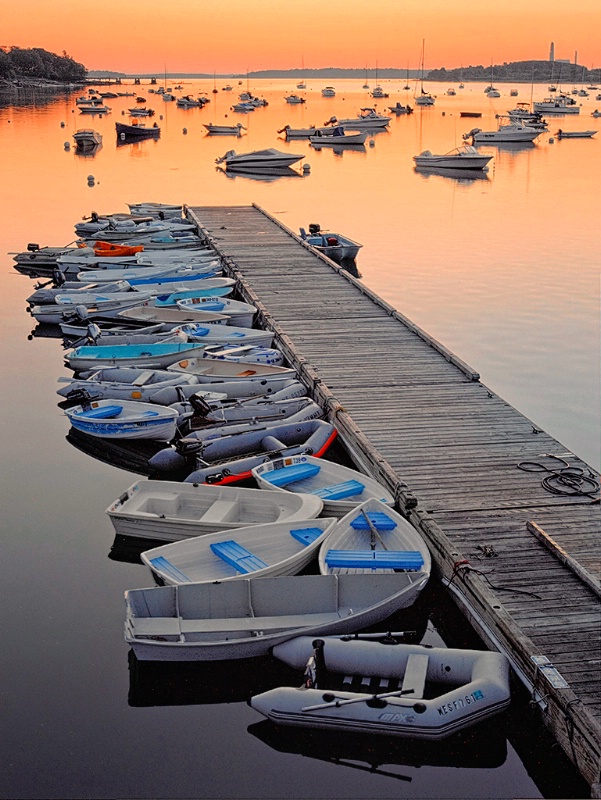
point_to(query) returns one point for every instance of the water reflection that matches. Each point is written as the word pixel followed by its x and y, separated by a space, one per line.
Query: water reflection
pixel 460 175
pixel 482 747
pixel 131 456
pixel 87 151
pixel 267 174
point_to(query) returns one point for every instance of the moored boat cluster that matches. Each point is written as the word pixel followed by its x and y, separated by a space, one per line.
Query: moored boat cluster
pixel 257 536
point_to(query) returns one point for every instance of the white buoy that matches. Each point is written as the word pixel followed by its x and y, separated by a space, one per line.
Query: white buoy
pixel 67 145
pixel 62 124
pixel 372 142
pixel 551 140
pixel 306 168
pixel 184 130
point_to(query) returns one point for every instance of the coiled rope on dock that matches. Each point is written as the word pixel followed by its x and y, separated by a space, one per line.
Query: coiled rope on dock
pixel 565 480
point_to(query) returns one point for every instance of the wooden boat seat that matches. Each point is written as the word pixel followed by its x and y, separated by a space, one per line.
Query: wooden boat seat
pixel 306 536
pixel 295 472
pixel 339 491
pixel 257 624
pixel 238 557
pixel 162 564
pixel 221 511
pixel 415 675
pixel 102 412
pixel 375 559
pixel 380 521
pixel 143 378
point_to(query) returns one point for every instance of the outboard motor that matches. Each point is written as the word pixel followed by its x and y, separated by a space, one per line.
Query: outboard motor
pixel 315 669
pixel 80 397
pixel 32 247
pixel 184 455
pixel 314 228
pixel 58 277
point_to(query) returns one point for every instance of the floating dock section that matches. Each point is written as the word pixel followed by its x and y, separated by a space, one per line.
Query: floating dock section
pixel 520 557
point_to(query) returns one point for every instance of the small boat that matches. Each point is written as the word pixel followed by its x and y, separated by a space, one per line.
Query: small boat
pixel 333 245
pixel 187 101
pixel 93 108
pixel 305 133
pixel 340 488
pixel 562 104
pixel 151 356
pixel 199 422
pixel 171 511
pixel 338 137
pixel 143 273
pixel 55 313
pixel 419 692
pixel 575 134
pixel 126 419
pixel 399 108
pixel 464 157
pixel 373 537
pixel 235 391
pixel 227 620
pixel 140 112
pixel 210 333
pixel 125 383
pixel 105 249
pixel 258 159
pixel 451 92
pixel 248 354
pixel 230 458
pixel 215 370
pixel 366 119
pixel 257 551
pixel 509 131
pixel 295 99
pixel 168 318
pixel 225 130
pixel 211 287
pixel 378 93
pixel 154 209
pixel 86 138
pixel 470 113
pixel 137 130
pixel 237 312
pixel 328 91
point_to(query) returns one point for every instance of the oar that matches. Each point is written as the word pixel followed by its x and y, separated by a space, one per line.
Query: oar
pixel 345 701
pixel 374 533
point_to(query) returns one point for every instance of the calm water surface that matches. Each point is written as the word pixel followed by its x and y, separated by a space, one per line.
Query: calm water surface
pixel 502 269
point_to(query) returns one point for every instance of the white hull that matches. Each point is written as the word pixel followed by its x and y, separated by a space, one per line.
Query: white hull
pixel 465 157
pixel 317 476
pixel 469 686
pixel 259 159
pixel 246 618
pixel 256 551
pixel 124 420
pixel 214 370
pixel 170 512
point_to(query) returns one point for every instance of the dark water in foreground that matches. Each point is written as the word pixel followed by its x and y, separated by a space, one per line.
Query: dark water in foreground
pixel 80 718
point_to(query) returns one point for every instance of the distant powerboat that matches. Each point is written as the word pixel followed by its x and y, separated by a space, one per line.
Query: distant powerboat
pixel 367 118
pixel 295 99
pixel 464 157
pixel 562 104
pixel 510 131
pixel 258 158
pixel 329 91
pixel 338 136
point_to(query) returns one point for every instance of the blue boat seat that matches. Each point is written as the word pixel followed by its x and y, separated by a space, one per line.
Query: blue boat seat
pixel 286 475
pixel 163 565
pixel 306 536
pixel 339 491
pixel 238 557
pixel 380 521
pixel 102 412
pixel 375 559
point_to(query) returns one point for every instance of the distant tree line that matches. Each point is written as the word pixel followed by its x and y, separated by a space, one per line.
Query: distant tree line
pixel 17 63
pixel 535 71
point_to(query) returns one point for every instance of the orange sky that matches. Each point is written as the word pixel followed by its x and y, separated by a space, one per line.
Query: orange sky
pixel 231 36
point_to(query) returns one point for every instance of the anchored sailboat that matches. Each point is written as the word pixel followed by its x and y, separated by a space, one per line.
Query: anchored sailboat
pixel 423 98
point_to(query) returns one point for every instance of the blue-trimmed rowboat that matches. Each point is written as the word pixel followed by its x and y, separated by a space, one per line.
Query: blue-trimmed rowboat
pixel 124 419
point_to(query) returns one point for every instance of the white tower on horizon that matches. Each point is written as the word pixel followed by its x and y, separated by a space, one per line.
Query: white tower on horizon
pixel 552 52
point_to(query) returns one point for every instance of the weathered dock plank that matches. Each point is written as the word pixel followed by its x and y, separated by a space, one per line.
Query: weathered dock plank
pixel 416 417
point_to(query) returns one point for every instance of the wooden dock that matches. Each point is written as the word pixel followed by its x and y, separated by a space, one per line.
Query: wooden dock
pixel 521 561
